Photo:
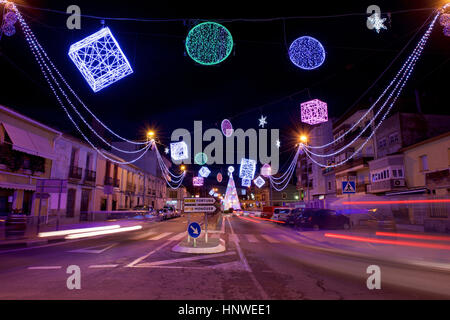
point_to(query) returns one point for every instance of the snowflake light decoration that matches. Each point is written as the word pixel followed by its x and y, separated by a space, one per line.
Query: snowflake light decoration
pixel 247 169
pixel 209 43
pixel 166 150
pixel 376 22
pixel 307 53
pixel 262 121
pixel 259 182
pixel 227 128
pixel 197 181
pixel 246 182
pixel 179 150
pixel 314 111
pixel 100 59
pixel 204 172
pixel 278 143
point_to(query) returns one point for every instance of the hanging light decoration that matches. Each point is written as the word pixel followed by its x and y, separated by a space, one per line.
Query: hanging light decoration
pixel 314 112
pixel 307 53
pixel 209 43
pixel 227 128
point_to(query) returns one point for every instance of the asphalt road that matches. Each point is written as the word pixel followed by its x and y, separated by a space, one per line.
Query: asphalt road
pixel 262 261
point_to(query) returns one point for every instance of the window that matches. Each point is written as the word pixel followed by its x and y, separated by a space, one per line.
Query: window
pixel 387 173
pixel 423 163
pixel 382 143
pixel 393 138
pixel 394 173
pixel 329 185
pixel 400 172
pixel 283 195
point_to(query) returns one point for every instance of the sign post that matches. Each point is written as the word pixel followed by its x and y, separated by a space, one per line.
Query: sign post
pixel 204 205
pixel 50 186
pixel 194 230
pixel 348 187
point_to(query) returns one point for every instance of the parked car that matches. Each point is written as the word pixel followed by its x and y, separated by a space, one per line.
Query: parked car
pixel 321 219
pixel 268 211
pixel 281 214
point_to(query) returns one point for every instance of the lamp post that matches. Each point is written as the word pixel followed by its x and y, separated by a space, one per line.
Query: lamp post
pixel 303 142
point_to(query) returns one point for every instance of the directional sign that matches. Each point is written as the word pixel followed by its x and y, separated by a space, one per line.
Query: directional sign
pixel 348 187
pixel 194 229
pixel 199 208
pixel 198 201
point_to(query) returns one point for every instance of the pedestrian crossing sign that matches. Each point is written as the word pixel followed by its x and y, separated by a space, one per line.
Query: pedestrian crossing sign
pixel 348 187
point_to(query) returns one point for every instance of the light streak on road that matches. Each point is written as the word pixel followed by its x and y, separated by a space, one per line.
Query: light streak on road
pixel 72 231
pixel 394 242
pixel 269 220
pixel 412 236
pixel 249 219
pixel 97 233
pixel 398 201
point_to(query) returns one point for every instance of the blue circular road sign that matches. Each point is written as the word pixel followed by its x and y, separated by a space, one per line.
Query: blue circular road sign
pixel 194 230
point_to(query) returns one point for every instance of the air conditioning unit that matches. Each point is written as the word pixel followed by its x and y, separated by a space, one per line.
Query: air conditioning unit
pixel 399 183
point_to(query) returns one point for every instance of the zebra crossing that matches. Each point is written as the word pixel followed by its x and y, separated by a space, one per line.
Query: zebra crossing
pixel 252 238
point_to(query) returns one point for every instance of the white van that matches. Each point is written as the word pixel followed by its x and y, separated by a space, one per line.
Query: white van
pixel 281 214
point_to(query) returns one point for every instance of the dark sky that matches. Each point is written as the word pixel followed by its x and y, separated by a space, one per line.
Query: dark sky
pixel 168 90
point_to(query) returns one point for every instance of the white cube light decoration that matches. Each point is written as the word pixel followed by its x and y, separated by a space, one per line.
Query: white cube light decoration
pixel 246 182
pixel 247 169
pixel 204 172
pixel 211 192
pixel 259 182
pixel 179 150
pixel 314 111
pixel 100 59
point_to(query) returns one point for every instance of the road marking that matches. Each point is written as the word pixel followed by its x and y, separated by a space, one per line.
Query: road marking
pixel 89 249
pixel 178 236
pixel 222 228
pixel 269 238
pixel 247 266
pixel 251 238
pixel 207 256
pixel 45 268
pixel 136 261
pixel 288 239
pixel 103 266
pixel 160 236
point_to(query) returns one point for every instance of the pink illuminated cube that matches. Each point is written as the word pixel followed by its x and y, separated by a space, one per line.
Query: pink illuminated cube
pixel 314 111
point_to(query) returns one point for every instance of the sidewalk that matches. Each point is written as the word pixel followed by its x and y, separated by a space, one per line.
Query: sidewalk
pixel 30 238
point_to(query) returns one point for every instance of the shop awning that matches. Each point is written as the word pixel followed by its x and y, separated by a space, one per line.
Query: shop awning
pixel 28 142
pixel 17 186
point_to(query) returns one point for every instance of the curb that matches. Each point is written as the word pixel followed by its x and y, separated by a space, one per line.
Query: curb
pixel 29 243
pixel 219 248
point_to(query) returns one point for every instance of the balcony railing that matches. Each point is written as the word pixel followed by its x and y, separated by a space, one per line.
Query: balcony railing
pixel 75 172
pixel 110 181
pixel 90 175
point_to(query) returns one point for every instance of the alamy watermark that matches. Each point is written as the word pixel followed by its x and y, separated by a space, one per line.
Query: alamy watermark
pixel 255 144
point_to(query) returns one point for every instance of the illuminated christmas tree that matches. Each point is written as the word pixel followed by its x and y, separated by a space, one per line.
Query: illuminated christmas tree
pixel 231 198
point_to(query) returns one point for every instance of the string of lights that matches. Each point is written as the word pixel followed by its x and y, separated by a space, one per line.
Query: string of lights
pixel 411 68
pixel 280 183
pixel 372 120
pixel 379 98
pixel 43 66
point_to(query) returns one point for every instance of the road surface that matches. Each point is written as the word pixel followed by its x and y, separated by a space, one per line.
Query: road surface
pixel 262 261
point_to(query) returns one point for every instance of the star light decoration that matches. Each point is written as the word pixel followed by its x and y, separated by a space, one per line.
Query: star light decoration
pixel 314 111
pixel 247 169
pixel 204 172
pixel 100 59
pixel 179 150
pixel 376 22
pixel 306 53
pixel 278 143
pixel 262 121
pixel 209 43
pixel 259 182
pixel 166 150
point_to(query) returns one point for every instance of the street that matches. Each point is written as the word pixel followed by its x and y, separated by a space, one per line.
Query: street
pixel 262 260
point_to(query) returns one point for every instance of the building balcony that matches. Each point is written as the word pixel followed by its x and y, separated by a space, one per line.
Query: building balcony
pixel 89 176
pixel 110 181
pixel 75 173
pixel 386 185
pixel 352 163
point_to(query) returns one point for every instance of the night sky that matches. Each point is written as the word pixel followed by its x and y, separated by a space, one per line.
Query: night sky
pixel 168 90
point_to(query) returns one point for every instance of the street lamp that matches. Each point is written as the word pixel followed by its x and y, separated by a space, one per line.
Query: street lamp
pixel 183 168
pixel 304 141
pixel 150 135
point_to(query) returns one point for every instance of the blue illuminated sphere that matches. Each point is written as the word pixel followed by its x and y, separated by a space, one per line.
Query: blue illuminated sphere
pixel 307 53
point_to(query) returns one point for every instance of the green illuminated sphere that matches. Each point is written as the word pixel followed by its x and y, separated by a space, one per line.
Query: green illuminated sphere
pixel 201 158
pixel 209 43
